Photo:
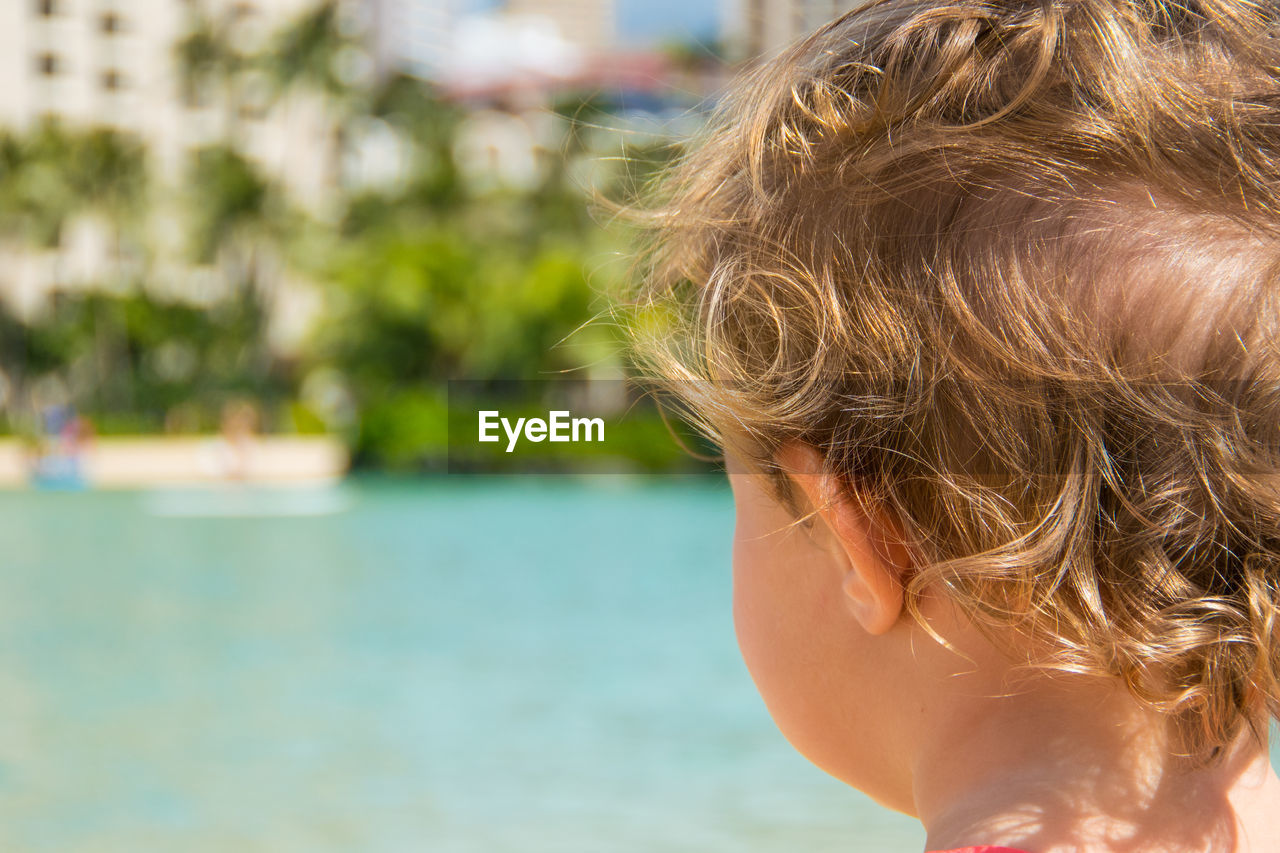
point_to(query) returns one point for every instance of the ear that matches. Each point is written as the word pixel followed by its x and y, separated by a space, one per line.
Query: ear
pixel 870 548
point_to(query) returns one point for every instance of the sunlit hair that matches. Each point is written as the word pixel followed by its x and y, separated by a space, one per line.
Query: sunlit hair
pixel 1011 267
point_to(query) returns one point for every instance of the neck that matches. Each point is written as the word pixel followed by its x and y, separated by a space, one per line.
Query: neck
pixel 1086 770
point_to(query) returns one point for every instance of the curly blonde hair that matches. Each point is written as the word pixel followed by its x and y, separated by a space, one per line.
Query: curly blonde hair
pixel 1012 268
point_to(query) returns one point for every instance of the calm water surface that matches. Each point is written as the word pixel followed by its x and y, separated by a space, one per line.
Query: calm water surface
pixel 458 665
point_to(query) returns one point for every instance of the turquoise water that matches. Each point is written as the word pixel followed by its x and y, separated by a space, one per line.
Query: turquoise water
pixel 458 665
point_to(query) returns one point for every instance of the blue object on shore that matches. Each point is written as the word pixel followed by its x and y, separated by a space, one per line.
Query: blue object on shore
pixel 58 472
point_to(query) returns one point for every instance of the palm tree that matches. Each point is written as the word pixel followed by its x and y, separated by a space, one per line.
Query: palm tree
pixel 308 52
pixel 109 175
pixel 44 191
pixel 209 62
pixel 313 54
pixel 240 222
pixel 52 175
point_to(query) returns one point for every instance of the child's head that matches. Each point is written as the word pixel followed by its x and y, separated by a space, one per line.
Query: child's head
pixel 991 287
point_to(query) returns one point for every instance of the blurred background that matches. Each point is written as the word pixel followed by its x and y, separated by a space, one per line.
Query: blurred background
pixel 244 247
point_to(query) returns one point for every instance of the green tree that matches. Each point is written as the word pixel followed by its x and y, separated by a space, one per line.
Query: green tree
pixel 212 66
pixel 312 54
pixel 308 51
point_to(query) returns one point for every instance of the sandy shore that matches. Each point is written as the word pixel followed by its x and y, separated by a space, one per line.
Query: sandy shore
pixel 124 462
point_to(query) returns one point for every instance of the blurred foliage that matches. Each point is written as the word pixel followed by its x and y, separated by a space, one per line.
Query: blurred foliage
pixel 132 361
pixel 50 174
pixel 308 52
pixel 438 274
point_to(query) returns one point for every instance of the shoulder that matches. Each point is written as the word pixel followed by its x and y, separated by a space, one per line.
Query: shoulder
pixel 981 849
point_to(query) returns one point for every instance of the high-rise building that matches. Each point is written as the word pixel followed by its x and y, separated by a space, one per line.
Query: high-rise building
pixel 114 63
pixel 588 24
pixel 117 64
pixel 466 42
pixel 413 36
pixel 761 28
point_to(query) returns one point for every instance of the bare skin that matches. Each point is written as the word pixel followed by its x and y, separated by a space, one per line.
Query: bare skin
pixel 959 737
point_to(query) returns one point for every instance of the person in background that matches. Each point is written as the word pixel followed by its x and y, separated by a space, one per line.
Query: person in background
pixel 231 454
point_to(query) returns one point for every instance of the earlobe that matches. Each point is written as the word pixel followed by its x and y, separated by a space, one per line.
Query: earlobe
pixel 875 599
pixel 873 564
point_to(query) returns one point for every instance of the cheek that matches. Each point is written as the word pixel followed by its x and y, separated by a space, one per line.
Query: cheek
pixel 809 659
pixel 765 596
pixel 780 613
pixel 791 622
pixel 826 682
pixel 753 590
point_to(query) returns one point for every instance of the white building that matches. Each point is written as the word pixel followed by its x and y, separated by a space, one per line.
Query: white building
pixel 471 43
pixel 588 24
pixel 112 63
pixel 414 36
pixel 761 28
